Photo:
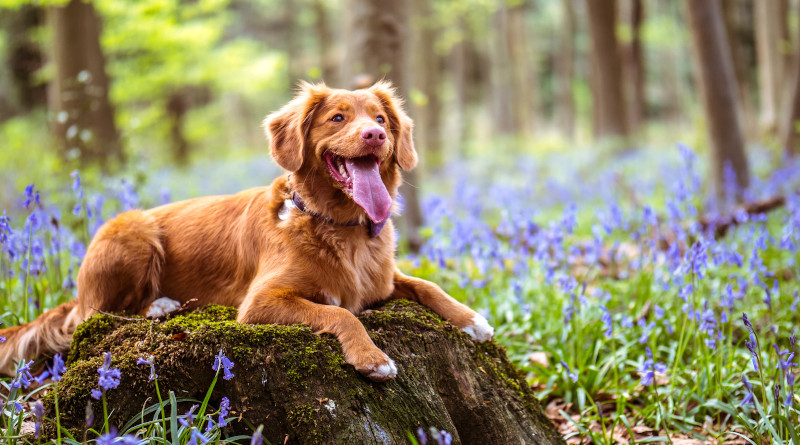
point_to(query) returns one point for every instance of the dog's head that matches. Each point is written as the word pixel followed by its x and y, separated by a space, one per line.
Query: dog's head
pixel 344 147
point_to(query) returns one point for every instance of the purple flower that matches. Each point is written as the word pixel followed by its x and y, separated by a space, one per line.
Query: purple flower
pixel 257 438
pixel 188 419
pixel 23 377
pixel 57 368
pixel 573 376
pixel 224 406
pixel 221 360
pixel 606 319
pixel 109 377
pixel 748 397
pixel 197 438
pixel 422 438
pixel 143 361
pixel 38 411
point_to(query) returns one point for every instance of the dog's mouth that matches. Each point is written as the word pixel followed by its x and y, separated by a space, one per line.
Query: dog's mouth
pixel 361 179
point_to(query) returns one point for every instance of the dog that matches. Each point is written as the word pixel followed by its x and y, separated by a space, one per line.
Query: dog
pixel 316 247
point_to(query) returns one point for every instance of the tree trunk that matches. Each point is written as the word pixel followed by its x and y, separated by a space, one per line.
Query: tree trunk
pixel 324 42
pixel 23 58
pixel 376 49
pixel 739 33
pixel 718 84
pixel 78 95
pixel 790 123
pixel 565 63
pixel 609 99
pixel 427 79
pixel 297 385
pixel 770 61
pixel 176 109
pixel 636 66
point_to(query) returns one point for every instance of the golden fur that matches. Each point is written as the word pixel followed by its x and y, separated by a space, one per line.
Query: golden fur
pixel 237 251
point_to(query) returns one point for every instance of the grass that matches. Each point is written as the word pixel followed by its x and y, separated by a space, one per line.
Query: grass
pixel 626 316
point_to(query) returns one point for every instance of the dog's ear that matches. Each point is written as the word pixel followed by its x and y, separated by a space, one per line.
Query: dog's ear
pixel 288 127
pixel 400 124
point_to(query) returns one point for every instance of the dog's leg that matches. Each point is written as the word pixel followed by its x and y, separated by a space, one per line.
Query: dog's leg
pixel 285 307
pixel 432 296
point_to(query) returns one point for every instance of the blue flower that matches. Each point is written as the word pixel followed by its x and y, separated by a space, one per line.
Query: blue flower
pixel 257 438
pixel 38 412
pixel 224 406
pixel 57 368
pixel 108 377
pixel 197 438
pixel 23 377
pixel 573 376
pixel 606 319
pixel 143 361
pixel 748 397
pixel 188 419
pixel 226 364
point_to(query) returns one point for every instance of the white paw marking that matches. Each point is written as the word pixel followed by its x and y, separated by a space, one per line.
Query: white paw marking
pixel 479 330
pixel 162 306
pixel 383 372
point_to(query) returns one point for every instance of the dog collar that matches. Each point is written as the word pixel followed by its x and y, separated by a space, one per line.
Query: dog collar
pixel 372 229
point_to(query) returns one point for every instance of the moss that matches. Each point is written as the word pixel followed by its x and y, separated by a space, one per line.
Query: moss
pixel 303 419
pixel 88 332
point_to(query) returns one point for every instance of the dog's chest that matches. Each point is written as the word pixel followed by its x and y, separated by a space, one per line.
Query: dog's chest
pixel 364 273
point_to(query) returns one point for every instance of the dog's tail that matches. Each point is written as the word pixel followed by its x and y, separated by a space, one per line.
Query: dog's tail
pixel 50 333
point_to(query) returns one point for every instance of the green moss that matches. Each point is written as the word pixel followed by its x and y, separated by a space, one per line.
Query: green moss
pixel 88 333
pixel 303 418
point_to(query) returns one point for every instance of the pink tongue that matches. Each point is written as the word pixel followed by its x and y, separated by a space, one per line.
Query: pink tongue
pixel 368 189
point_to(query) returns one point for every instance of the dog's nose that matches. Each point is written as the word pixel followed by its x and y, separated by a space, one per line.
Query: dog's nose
pixel 374 136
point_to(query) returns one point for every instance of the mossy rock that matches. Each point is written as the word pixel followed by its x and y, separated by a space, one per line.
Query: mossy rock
pixel 297 384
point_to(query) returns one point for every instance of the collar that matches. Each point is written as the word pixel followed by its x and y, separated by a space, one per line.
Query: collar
pixel 372 229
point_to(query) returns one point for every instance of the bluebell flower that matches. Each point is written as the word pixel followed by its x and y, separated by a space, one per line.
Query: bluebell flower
pixel 748 397
pixel 96 394
pixel 606 319
pixel 109 377
pixel 57 368
pixel 188 419
pixel 38 412
pixel 226 364
pixel 143 361
pixel 573 376
pixel 197 438
pixel 23 377
pixel 224 406
pixel 422 437
pixel 257 438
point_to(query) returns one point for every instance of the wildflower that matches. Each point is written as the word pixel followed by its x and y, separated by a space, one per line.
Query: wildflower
pixel 96 394
pixel 573 376
pixel 197 438
pixel 109 377
pixel 789 388
pixel 23 376
pixel 112 438
pixel 58 368
pixel 221 360
pixel 748 398
pixel 649 368
pixel 627 322
pixel 422 437
pixel 38 412
pixel 224 406
pixel 143 361
pixel 606 319
pixel 257 438
pixel 658 311
pixel 188 419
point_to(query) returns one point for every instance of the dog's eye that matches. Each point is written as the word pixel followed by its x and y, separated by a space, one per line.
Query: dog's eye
pixel 380 120
pixel 337 118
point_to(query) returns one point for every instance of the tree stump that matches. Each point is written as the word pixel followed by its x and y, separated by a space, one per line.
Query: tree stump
pixel 297 384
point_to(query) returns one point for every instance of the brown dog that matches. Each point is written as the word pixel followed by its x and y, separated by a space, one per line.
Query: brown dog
pixel 311 248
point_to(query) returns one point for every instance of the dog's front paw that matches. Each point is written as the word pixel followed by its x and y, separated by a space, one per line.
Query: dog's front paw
pixel 376 365
pixel 479 330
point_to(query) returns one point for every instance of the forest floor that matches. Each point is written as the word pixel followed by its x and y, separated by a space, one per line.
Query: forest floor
pixel 604 274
